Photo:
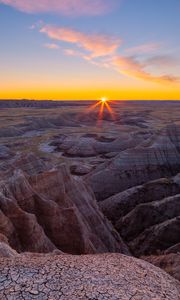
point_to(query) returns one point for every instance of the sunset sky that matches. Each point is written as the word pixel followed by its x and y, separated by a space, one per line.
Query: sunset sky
pixel 87 49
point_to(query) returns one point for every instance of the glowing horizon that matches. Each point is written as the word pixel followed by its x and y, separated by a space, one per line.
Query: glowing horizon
pixel 91 95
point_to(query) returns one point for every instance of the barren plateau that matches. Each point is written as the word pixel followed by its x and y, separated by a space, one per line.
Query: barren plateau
pixel 89 206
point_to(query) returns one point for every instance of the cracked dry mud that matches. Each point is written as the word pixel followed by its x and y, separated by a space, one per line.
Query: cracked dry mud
pixel 105 276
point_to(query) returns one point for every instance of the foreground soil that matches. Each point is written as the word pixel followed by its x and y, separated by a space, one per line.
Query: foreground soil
pixel 104 276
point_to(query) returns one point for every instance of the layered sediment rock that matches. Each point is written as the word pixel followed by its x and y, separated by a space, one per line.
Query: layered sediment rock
pixel 148 226
pixel 43 210
pixel 145 186
pixel 122 203
pixel 156 157
pixel 158 237
pixel 146 215
pixel 93 145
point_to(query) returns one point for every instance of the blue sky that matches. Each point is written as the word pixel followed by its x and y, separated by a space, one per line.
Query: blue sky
pixel 125 47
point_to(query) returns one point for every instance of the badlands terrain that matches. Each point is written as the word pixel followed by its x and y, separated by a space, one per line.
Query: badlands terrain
pixel 89 205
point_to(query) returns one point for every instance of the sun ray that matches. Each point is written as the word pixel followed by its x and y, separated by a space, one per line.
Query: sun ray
pixel 110 110
pixel 89 109
pixel 94 106
pixel 102 105
pixel 101 111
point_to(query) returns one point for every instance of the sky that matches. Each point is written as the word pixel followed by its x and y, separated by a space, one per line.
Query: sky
pixel 88 49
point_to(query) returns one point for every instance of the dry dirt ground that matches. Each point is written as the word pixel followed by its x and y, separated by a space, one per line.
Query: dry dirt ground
pixel 101 277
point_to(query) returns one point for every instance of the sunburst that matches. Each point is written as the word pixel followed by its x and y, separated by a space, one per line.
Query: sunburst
pixel 103 100
pixel 102 105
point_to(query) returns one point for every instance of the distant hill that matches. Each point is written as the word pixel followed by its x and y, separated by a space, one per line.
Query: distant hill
pixel 40 103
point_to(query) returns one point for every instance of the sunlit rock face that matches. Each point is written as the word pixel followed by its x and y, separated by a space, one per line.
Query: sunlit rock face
pixel 90 145
pixel 45 209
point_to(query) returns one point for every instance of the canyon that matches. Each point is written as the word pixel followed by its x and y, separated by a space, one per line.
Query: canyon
pixel 88 201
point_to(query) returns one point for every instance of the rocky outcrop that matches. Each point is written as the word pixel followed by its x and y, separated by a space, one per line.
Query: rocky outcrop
pixel 173 249
pixel 139 191
pixel 169 263
pixel 43 210
pixel 122 203
pixel 4 152
pixel 93 145
pixel 27 234
pixel 154 158
pixel 105 276
pixel 157 238
pixel 142 214
pixel 80 169
pixel 5 249
pixel 146 215
pixel 29 164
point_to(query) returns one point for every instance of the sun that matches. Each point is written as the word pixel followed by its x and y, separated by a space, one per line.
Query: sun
pixel 103 100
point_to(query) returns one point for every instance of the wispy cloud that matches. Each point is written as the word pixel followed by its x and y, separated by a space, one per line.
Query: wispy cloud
pixel 133 68
pixel 51 46
pixel 96 44
pixel 163 61
pixel 65 7
pixel 37 25
pixel 77 53
pixel 144 48
pixel 104 51
pixel 100 62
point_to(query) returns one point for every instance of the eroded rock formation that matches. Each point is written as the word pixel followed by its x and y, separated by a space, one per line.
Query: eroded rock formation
pixel 42 210
pixel 143 209
pixel 93 145
pixel 154 158
pixel 147 216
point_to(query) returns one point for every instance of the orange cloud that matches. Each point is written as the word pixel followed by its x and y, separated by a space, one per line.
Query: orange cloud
pixel 131 67
pixel 102 50
pixel 98 45
pixel 66 7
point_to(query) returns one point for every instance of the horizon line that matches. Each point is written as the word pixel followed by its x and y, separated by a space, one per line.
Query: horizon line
pixel 24 99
